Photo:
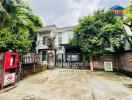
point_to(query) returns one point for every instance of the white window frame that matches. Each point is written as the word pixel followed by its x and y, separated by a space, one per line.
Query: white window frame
pixel 46 41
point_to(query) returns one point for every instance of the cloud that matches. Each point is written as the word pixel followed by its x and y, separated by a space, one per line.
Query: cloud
pixel 77 9
pixel 66 12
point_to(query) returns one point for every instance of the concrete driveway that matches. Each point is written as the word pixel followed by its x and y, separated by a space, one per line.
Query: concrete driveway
pixel 64 84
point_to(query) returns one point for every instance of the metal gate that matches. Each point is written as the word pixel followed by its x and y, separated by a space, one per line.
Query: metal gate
pixel 70 61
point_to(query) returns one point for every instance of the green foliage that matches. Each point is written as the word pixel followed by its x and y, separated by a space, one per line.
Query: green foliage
pixel 97 32
pixel 18 25
pixel 128 15
pixel 128 20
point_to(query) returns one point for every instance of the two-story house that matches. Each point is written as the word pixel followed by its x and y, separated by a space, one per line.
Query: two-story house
pixel 63 35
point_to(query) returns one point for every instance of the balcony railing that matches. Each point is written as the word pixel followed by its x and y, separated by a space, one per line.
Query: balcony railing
pixel 41 42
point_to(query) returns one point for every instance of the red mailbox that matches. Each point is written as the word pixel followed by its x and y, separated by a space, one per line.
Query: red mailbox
pixel 8 67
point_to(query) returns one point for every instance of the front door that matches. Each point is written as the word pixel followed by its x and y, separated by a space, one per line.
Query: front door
pixel 44 55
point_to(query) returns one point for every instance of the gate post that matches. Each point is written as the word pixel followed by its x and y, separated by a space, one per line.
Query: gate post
pixel 62 61
pixel 71 60
pixel 55 59
pixel 51 59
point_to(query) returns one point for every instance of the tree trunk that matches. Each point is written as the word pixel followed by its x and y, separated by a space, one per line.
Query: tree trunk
pixel 91 63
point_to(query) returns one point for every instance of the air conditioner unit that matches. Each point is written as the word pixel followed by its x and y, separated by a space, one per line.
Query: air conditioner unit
pixel 108 66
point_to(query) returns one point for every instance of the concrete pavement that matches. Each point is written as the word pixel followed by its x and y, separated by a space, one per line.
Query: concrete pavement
pixel 70 84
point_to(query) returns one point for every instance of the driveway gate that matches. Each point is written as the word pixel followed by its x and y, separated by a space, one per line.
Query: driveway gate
pixel 71 60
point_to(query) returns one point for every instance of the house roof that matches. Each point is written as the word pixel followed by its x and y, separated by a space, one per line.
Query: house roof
pixel 47 28
pixel 65 29
pixel 54 28
pixel 117 7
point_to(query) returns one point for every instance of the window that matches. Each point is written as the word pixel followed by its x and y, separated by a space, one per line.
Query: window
pixel 44 55
pixel 60 40
pixel 45 40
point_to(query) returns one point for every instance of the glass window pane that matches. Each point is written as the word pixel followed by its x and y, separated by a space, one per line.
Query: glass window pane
pixel 60 40
pixel 45 40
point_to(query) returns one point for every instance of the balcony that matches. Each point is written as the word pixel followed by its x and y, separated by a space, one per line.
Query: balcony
pixel 41 44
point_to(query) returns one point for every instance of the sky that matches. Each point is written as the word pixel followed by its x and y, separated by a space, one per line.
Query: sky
pixel 64 13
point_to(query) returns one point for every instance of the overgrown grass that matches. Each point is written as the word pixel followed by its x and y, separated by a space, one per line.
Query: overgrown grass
pixel 129 85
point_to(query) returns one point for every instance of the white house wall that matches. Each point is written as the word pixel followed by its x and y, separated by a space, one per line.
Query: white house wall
pixel 66 36
pixel 40 38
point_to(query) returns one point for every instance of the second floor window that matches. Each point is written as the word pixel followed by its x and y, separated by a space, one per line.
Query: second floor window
pixel 45 40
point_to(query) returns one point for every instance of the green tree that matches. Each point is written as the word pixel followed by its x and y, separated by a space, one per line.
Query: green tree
pixel 97 32
pixel 128 20
pixel 128 15
pixel 18 25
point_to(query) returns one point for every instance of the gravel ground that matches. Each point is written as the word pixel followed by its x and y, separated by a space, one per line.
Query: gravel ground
pixel 64 84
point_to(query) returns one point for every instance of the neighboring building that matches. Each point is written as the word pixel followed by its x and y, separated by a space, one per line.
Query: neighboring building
pixel 63 35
